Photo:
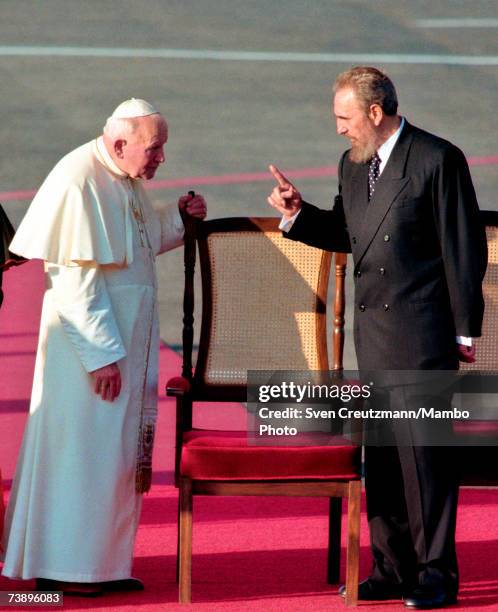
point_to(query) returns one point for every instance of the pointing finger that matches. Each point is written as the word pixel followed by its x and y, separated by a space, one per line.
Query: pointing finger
pixel 279 177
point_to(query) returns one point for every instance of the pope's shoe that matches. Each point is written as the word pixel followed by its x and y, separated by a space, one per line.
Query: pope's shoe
pixel 372 590
pixel 77 589
pixel 127 584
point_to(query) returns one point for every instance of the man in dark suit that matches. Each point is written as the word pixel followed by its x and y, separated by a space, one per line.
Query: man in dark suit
pixel 408 213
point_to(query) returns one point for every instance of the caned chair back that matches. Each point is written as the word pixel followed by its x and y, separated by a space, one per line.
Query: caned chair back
pixel 264 305
pixel 487 344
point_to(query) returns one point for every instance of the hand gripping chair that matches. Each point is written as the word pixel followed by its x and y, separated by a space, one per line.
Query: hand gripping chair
pixel 263 308
pixel 478 457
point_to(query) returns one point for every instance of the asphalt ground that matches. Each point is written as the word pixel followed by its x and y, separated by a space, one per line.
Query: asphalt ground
pixel 233 117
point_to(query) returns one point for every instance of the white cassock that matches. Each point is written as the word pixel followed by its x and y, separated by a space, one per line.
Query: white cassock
pixel 75 501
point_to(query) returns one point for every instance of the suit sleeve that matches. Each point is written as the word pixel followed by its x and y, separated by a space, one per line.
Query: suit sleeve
pixel 324 229
pixel 463 241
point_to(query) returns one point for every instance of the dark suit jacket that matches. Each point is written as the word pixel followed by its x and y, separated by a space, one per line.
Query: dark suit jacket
pixel 419 252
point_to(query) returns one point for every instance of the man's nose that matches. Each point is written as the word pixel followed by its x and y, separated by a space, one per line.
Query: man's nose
pixel 341 129
pixel 161 157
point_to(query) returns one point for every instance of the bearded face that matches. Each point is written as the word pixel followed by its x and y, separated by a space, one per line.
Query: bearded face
pixel 363 146
pixel 356 125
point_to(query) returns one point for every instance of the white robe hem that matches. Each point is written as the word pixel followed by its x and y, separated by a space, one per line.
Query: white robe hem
pixel 68 576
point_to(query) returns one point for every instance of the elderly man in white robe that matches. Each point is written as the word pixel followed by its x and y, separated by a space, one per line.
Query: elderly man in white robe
pixel 86 454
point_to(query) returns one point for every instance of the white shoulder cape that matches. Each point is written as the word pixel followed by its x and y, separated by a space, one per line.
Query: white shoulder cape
pixel 80 214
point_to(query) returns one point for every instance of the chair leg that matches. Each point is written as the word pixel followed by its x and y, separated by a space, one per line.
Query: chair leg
pixel 185 576
pixel 334 552
pixel 353 554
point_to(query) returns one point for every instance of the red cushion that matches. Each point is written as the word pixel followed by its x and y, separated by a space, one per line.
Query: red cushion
pixel 226 455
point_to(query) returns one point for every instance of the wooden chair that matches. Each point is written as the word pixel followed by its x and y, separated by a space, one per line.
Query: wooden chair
pixel 478 456
pixel 263 308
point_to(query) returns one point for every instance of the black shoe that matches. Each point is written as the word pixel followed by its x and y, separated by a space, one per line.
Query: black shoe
pixel 428 598
pixel 127 584
pixel 372 590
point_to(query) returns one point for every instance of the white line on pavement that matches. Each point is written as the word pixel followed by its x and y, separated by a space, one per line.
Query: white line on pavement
pixel 457 23
pixel 249 56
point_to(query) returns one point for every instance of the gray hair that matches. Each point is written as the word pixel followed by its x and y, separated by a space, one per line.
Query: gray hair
pixel 371 86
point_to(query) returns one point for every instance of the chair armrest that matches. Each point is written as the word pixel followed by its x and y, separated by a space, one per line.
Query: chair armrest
pixel 177 387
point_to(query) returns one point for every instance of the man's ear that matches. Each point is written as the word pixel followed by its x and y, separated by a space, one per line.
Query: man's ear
pixel 376 114
pixel 119 146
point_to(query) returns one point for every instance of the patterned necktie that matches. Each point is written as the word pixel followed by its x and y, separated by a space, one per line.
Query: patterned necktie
pixel 373 174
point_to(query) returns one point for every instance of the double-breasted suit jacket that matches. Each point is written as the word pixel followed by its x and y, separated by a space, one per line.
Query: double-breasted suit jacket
pixel 419 252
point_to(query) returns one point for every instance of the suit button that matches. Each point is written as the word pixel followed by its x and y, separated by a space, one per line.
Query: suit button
pixel 382 271
pixel 386 306
pixel 353 239
pixel 362 307
pixel 357 273
pixel 387 238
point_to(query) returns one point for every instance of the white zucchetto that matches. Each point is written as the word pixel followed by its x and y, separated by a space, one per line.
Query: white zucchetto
pixel 135 107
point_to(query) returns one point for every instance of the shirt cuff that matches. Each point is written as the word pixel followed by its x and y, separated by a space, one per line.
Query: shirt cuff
pixel 464 340
pixel 286 223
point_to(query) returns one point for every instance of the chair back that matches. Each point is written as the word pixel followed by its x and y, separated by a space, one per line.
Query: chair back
pixel 263 305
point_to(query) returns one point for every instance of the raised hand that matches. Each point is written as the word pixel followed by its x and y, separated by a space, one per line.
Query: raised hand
pixel 284 197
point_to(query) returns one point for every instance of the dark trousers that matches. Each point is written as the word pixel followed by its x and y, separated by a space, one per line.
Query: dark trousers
pixel 412 495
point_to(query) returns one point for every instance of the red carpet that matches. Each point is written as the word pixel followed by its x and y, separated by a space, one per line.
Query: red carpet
pixel 249 553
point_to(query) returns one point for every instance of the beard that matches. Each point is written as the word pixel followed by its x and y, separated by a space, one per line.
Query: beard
pixel 362 152
pixel 364 147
